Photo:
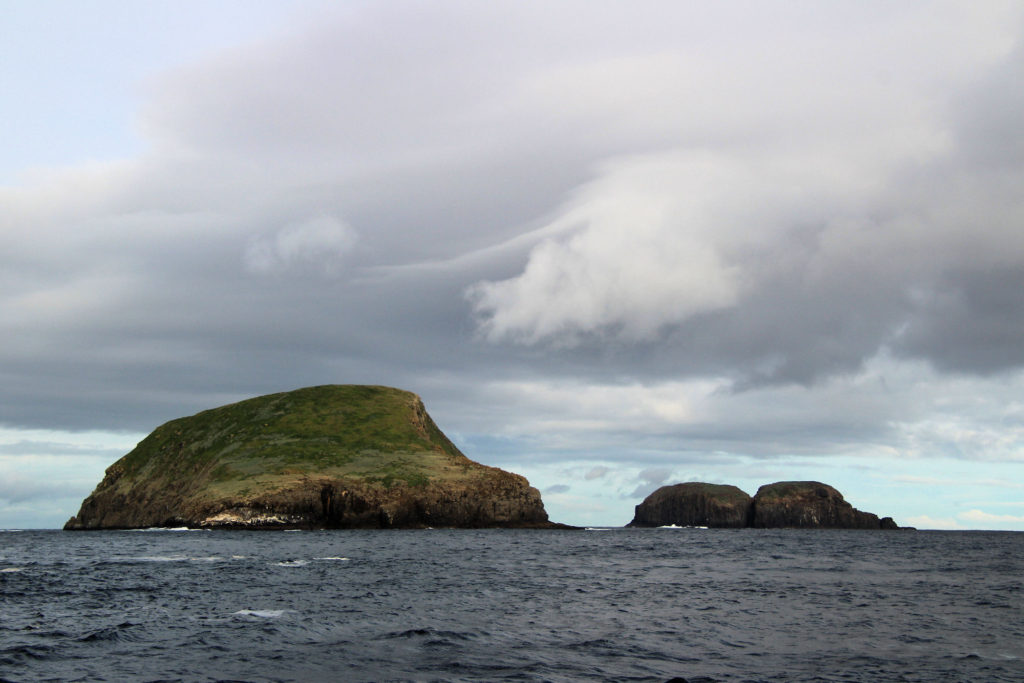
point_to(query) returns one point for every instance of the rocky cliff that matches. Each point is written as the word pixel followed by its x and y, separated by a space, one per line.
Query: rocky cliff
pixel 787 504
pixel 320 457
pixel 694 504
pixel 807 504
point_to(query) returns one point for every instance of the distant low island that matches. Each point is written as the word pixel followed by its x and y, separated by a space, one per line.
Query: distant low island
pixel 335 456
pixel 784 504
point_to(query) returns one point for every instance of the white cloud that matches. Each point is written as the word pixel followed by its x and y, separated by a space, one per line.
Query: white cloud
pixel 557 411
pixel 320 243
pixel 889 408
pixel 986 517
pixel 941 481
pixel 657 239
pixel 642 257
pixel 49 441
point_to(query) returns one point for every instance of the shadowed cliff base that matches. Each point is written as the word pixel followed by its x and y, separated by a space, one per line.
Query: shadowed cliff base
pixel 328 457
pixel 785 504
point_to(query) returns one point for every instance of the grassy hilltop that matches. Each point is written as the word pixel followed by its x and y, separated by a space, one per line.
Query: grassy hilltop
pixel 376 434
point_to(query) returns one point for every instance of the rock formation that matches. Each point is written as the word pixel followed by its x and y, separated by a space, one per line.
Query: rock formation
pixel 694 504
pixel 786 504
pixel 806 504
pixel 320 457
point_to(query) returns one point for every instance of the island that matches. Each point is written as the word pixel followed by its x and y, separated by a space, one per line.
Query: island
pixel 784 504
pixel 325 457
pixel 694 504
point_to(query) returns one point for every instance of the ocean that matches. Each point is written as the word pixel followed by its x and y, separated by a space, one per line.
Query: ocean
pixel 512 605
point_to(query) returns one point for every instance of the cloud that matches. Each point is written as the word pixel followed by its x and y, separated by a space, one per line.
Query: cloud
pixel 781 270
pixel 939 481
pixel 578 406
pixel 650 478
pixel 639 262
pixel 795 266
pixel 46 442
pixel 320 243
pixel 40 479
pixel 26 448
pixel 596 473
pixel 18 488
pixel 888 409
pixel 654 475
pixel 985 517
pixel 557 488
pixel 972 319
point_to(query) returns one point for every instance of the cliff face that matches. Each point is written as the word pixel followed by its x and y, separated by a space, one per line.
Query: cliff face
pixel 787 504
pixel 807 504
pixel 694 504
pixel 322 457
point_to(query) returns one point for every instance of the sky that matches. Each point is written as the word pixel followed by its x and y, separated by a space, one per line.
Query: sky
pixel 612 245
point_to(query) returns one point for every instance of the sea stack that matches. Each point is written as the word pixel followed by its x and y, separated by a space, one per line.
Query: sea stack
pixel 336 456
pixel 784 504
pixel 694 504
pixel 807 505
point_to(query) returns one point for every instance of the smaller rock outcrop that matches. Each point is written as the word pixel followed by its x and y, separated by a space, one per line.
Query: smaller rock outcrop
pixel 694 504
pixel 784 504
pixel 807 505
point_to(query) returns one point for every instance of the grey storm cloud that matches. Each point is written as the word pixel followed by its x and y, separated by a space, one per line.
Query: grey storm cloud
pixel 456 197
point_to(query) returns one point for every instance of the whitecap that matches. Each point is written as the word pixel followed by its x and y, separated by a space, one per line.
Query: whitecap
pixel 339 559
pixel 10 570
pixel 161 558
pixel 260 613
pixel 292 563
pixel 597 528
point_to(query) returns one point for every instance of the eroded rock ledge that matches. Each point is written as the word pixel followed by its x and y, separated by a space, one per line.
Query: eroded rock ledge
pixel 785 504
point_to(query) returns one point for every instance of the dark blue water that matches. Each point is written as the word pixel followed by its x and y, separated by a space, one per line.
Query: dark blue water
pixel 637 604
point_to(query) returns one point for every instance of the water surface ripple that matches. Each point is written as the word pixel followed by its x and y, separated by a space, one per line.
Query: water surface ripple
pixel 512 605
